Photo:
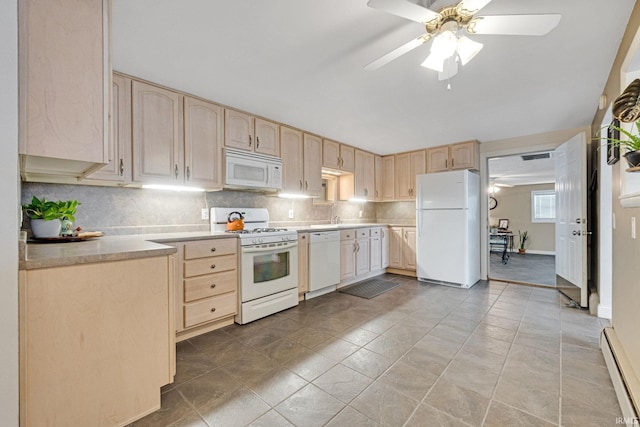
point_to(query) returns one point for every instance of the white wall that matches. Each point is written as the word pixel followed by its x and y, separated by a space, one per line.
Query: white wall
pixel 9 217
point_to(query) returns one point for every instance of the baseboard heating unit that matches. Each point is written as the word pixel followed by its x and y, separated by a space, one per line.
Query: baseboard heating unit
pixel 625 382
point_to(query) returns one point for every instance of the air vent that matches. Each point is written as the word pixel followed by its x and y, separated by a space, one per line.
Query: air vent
pixel 528 157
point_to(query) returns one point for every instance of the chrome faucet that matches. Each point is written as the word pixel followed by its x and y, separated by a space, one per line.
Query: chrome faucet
pixel 334 219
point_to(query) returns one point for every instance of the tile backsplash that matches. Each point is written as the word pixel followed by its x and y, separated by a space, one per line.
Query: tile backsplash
pixel 118 211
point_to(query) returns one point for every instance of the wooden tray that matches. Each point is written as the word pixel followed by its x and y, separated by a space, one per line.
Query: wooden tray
pixel 80 237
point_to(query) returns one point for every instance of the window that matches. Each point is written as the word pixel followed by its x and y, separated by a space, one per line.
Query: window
pixel 543 206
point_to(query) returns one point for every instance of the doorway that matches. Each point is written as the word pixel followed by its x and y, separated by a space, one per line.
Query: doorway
pixel 521 218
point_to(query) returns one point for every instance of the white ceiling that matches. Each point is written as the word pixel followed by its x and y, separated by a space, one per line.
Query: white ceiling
pixel 300 62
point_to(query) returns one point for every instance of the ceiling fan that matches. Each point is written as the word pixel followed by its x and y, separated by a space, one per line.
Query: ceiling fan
pixel 447 28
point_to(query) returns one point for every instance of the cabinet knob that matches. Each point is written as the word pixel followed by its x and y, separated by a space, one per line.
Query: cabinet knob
pixel 257 142
pixel 213 285
pixel 121 167
pixel 213 249
pixel 188 173
pixel 213 309
pixel 213 266
pixel 249 140
pixel 176 171
pixel 300 184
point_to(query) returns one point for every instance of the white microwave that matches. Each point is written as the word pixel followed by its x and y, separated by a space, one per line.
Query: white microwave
pixel 248 170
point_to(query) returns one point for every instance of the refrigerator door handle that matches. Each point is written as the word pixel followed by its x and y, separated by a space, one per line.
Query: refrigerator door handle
pixel 418 214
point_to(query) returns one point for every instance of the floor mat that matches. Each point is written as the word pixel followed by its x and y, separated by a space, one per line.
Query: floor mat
pixel 370 288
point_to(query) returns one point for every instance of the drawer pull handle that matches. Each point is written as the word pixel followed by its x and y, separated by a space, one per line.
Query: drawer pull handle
pixel 213 249
pixel 213 285
pixel 213 309
pixel 213 266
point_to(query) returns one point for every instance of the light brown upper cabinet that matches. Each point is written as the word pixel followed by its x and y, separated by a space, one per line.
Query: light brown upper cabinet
pixel 176 139
pixel 65 79
pixel 377 173
pixel 463 155
pixel 118 170
pixel 407 166
pixel 292 160
pixel 301 162
pixel 157 136
pixel 364 176
pixel 388 178
pixel 312 165
pixel 245 132
pixel 203 135
pixel 338 156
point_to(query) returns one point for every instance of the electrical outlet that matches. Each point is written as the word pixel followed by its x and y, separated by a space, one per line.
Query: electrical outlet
pixel 204 213
pixel 633 227
pixel 290 213
pixel 360 214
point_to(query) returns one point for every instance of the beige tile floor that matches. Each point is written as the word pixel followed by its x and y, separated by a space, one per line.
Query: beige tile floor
pixel 418 355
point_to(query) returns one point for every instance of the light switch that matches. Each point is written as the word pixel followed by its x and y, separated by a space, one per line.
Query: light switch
pixel 204 213
pixel 633 227
pixel 290 213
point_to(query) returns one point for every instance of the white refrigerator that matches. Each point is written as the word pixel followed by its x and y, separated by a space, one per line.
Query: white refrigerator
pixel 448 225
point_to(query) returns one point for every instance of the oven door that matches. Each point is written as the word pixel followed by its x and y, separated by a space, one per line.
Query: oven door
pixel 268 270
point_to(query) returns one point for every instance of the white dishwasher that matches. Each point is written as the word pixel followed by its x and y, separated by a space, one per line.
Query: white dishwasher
pixel 324 263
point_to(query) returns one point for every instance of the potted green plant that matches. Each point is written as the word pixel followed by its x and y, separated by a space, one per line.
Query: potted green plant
pixel 524 236
pixel 67 211
pixel 45 217
pixel 631 143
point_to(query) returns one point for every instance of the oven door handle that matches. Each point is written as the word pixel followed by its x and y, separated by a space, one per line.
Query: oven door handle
pixel 250 249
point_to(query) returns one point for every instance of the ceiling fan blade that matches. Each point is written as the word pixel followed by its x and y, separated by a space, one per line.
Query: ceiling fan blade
pixel 516 25
pixel 472 6
pixel 407 47
pixel 499 184
pixel 404 9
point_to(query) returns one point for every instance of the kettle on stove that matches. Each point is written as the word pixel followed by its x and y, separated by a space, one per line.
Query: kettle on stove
pixel 237 223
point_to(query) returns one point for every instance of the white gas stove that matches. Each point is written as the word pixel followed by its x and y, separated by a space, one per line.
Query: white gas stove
pixel 268 263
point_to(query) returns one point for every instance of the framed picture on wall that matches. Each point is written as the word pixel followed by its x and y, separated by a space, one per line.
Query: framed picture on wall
pixel 613 150
pixel 503 224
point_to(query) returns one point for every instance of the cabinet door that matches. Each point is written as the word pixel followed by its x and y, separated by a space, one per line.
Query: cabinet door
pixel 438 159
pixel 418 166
pixel 402 176
pixel 347 158
pixel 330 154
pixel 377 178
pixel 465 155
pixel 364 181
pixel 375 253
pixel 157 135
pixel 388 178
pixel 312 165
pixel 203 123
pixel 384 242
pixel 362 256
pixel 238 130
pixel 396 242
pixel 267 137
pixel 291 153
pixel 119 167
pixel 409 249
pixel 347 259
pixel 64 79
pixel 303 263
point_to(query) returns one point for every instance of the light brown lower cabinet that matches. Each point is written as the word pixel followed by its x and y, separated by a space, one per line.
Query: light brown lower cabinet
pixel 402 250
pixel 206 286
pixel 97 341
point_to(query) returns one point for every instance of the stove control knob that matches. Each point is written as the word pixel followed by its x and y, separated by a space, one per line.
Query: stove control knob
pixel 254 241
pixel 285 238
pixel 260 240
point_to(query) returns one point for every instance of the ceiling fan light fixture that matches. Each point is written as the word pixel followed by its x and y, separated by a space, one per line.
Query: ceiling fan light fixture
pixel 434 62
pixel 444 44
pixel 467 49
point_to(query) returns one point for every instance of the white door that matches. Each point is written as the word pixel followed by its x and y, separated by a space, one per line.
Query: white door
pixel 571 213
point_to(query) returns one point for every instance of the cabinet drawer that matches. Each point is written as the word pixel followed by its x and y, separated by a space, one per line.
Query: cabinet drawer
pixel 347 234
pixel 207 248
pixel 210 309
pixel 362 232
pixel 376 232
pixel 210 285
pixel 198 267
